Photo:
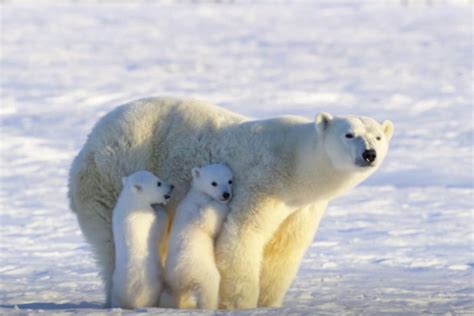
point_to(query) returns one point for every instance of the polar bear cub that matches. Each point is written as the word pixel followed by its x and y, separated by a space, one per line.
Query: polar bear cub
pixel 190 269
pixel 138 229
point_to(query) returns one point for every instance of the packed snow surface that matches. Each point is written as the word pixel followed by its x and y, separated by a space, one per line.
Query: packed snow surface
pixel 400 243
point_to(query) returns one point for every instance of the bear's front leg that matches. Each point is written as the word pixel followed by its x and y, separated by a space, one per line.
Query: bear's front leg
pixel 239 249
pixel 283 253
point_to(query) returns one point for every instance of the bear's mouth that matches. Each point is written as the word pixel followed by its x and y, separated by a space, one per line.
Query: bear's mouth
pixel 364 164
pixel 156 206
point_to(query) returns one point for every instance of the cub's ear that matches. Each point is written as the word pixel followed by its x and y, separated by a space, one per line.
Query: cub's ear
pixel 388 129
pixel 196 173
pixel 322 120
pixel 137 188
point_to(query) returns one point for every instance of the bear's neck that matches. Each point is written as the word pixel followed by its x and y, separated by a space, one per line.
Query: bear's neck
pixel 198 197
pixel 313 177
pixel 130 203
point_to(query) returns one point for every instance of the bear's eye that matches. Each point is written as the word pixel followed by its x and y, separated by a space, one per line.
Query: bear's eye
pixel 159 184
pixel 214 184
pixel 349 135
pixel 230 181
pixel 378 138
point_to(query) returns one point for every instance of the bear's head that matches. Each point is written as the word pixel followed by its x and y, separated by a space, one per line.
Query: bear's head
pixel 354 143
pixel 214 181
pixel 147 188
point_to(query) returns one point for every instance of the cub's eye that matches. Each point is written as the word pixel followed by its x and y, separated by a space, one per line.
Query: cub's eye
pixel 159 184
pixel 378 138
pixel 349 135
pixel 214 184
pixel 230 181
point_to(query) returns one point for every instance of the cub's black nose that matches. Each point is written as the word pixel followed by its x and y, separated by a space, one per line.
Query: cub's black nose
pixel 369 155
pixel 226 195
pixel 167 196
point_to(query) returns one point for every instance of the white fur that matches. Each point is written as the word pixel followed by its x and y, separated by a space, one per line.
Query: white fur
pixel 287 169
pixel 190 269
pixel 138 230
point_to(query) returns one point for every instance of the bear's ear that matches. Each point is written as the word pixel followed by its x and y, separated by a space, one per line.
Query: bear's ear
pixel 196 173
pixel 137 188
pixel 322 120
pixel 388 129
pixel 124 182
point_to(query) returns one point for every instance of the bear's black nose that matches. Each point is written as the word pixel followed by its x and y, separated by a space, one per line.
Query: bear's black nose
pixel 369 155
pixel 167 196
pixel 226 195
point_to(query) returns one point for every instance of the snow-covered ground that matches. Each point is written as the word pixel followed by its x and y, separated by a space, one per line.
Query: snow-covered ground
pixel 400 243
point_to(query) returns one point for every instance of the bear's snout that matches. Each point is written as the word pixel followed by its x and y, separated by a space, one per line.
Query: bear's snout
pixel 226 195
pixel 369 155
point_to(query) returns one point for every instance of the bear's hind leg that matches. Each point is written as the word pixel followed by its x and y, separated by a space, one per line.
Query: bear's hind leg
pixel 99 235
pixel 92 200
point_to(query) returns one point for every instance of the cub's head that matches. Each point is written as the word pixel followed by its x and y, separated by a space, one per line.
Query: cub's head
pixel 215 181
pixel 147 187
pixel 354 143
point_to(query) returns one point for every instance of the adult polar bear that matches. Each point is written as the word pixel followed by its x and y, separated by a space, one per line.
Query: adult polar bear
pixel 286 171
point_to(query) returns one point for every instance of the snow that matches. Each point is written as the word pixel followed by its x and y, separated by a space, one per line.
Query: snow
pixel 400 243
